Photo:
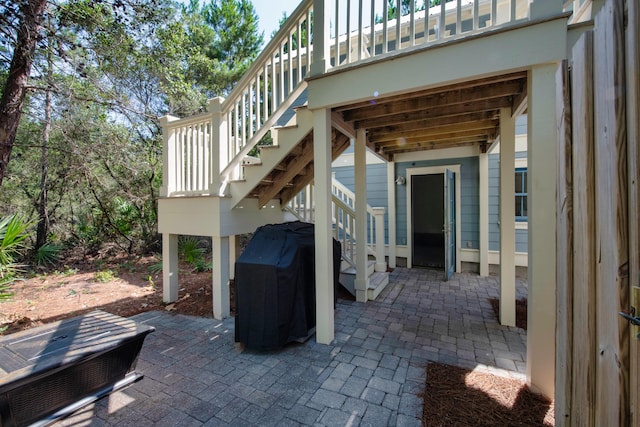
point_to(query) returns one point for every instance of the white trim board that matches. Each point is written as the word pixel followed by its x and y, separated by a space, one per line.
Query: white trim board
pixel 472 255
pixel 445 153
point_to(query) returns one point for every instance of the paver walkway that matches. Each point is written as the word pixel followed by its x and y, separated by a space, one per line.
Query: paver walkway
pixel 370 376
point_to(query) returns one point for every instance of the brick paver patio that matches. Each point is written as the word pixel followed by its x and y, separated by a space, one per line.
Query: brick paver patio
pixel 370 376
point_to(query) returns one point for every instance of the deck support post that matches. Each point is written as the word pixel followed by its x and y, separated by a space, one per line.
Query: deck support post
pixel 507 218
pixel 542 170
pixel 234 252
pixel 220 293
pixel 391 203
pixel 484 213
pixel 323 226
pixel 169 267
pixel 360 170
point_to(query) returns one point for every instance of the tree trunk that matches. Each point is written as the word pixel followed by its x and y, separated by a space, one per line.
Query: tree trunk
pixel 42 230
pixel 32 12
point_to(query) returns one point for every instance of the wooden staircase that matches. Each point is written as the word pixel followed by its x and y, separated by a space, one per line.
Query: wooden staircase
pixel 286 167
pixel 378 280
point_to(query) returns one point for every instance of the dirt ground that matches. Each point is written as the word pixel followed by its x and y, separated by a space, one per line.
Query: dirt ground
pixel 119 286
pixel 126 287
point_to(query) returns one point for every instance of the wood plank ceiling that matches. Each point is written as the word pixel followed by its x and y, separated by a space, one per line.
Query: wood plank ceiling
pixel 451 116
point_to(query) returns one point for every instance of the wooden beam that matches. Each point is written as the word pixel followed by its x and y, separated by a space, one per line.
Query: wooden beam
pixel 432 146
pixel 427 135
pixel 522 75
pixel 519 103
pixel 338 122
pixel 450 130
pixel 435 112
pixel 460 120
pixel 462 96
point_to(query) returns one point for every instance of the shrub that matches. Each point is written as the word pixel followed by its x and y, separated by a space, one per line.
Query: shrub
pixel 105 276
pixel 13 232
pixel 190 250
pixel 48 254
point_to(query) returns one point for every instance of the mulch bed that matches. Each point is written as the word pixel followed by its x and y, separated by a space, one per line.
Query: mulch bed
pixel 521 311
pixel 459 397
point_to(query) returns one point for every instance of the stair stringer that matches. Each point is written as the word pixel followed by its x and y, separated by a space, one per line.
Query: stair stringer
pixel 285 139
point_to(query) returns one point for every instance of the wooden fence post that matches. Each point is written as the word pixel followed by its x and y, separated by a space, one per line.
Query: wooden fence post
pixel 632 55
pixel 612 246
pixel 564 249
pixel 584 235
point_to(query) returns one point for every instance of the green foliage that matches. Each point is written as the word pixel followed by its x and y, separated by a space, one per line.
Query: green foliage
pixel 202 265
pixel 116 66
pixel 223 35
pixel 405 7
pixel 13 232
pixel 190 250
pixel 48 254
pixel 156 268
pixel 105 276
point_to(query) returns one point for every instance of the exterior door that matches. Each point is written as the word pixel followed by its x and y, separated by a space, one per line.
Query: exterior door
pixel 449 224
pixel 427 219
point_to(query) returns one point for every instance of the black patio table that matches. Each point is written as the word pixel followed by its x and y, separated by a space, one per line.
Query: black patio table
pixel 49 371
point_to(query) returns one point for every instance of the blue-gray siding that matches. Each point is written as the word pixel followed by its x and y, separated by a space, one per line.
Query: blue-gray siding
pixel 377 196
pixel 469 211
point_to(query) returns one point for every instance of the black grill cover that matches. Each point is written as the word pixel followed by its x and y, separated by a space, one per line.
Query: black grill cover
pixel 275 286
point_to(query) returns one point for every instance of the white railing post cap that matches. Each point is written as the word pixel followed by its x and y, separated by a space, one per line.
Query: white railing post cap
pixel 168 118
pixel 215 104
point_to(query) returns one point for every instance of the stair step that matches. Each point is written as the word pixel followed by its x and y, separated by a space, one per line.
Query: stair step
pixel 250 161
pixel 348 269
pixel 377 282
pixel 284 127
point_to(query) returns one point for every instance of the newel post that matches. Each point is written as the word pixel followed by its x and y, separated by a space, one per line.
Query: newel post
pixel 381 264
pixel 544 8
pixel 218 143
pixel 321 45
pixel 168 156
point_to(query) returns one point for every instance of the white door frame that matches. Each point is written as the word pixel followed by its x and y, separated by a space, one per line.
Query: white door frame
pixel 433 170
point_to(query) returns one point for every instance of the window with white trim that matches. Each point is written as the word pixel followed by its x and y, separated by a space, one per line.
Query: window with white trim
pixel 521 195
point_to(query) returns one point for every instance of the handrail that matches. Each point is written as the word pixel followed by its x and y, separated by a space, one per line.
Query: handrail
pixel 266 90
pixel 204 153
pixel 344 217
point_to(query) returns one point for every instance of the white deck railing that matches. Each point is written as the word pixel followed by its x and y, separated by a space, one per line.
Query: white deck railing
pixel 362 33
pixel 344 220
pixel 202 154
